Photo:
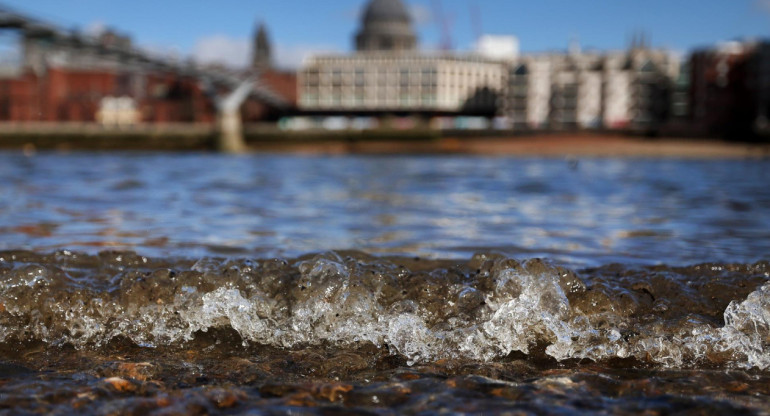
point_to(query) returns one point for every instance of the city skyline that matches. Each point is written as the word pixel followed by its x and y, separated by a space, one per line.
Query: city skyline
pixel 225 33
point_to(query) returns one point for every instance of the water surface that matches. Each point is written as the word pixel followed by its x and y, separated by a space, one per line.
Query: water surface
pixel 589 212
pixel 200 284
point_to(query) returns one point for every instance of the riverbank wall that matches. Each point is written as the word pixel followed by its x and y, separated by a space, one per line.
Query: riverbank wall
pixel 202 137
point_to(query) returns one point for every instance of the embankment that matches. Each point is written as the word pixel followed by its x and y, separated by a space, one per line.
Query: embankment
pixel 201 137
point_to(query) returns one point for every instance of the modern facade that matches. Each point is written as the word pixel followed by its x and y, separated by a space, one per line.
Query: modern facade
pixel 590 90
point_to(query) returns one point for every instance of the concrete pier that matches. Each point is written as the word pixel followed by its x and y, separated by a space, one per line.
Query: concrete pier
pixel 229 138
pixel 229 124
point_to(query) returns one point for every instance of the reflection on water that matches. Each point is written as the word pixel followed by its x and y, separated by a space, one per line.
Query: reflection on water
pixel 595 212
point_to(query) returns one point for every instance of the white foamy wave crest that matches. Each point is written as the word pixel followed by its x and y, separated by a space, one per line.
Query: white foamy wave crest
pixel 747 329
pixel 502 307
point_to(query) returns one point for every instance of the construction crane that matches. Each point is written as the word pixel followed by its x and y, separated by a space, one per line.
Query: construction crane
pixel 476 24
pixel 445 25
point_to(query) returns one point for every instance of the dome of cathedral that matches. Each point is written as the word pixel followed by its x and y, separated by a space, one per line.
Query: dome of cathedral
pixel 386 26
pixel 386 11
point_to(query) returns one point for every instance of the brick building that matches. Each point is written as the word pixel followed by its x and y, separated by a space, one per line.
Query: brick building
pixel 721 95
pixel 761 83
pixel 52 75
pixel 65 77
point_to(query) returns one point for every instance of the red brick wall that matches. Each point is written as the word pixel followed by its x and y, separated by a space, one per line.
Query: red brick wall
pixel 20 99
pixel 75 95
pixel 283 84
pixel 722 104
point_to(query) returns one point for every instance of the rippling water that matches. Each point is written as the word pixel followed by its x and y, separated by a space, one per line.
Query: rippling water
pixel 281 284
pixel 590 212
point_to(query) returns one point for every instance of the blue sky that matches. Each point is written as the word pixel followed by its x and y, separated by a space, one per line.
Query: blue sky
pixel 220 30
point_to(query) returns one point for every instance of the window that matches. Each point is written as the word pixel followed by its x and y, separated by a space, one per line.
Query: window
pixel 337 77
pixel 312 77
pixel 382 77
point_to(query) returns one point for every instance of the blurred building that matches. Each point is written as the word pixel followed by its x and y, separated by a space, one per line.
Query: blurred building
pixel 282 83
pixel 724 101
pixel 680 97
pixel 387 73
pixel 591 90
pixel 262 49
pixel 761 70
pixel 66 76
pixel 383 82
pixel 386 26
pixel 48 74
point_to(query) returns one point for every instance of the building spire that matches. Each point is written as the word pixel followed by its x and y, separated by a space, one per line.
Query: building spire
pixel 262 54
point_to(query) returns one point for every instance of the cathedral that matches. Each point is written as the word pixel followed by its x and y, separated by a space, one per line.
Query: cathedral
pixel 386 26
pixel 388 74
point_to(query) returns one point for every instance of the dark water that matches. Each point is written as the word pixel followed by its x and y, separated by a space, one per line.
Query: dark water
pixel 193 284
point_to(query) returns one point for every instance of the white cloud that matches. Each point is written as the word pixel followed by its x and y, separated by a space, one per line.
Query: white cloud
pixel 222 49
pixel 236 53
pixel 498 46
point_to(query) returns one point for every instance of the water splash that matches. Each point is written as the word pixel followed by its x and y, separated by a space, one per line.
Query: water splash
pixel 481 310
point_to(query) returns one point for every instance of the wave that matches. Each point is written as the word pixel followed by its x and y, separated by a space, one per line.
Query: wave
pixel 426 310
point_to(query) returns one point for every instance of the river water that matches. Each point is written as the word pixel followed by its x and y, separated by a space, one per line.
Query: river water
pixel 198 283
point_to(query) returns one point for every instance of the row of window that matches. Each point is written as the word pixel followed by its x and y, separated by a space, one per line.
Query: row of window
pixel 315 75
pixel 558 106
pixel 520 88
pixel 338 89
pixel 646 67
pixel 360 72
pixel 312 99
pixel 338 100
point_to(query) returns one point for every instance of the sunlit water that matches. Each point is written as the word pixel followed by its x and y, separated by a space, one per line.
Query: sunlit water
pixel 195 283
pixel 589 212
